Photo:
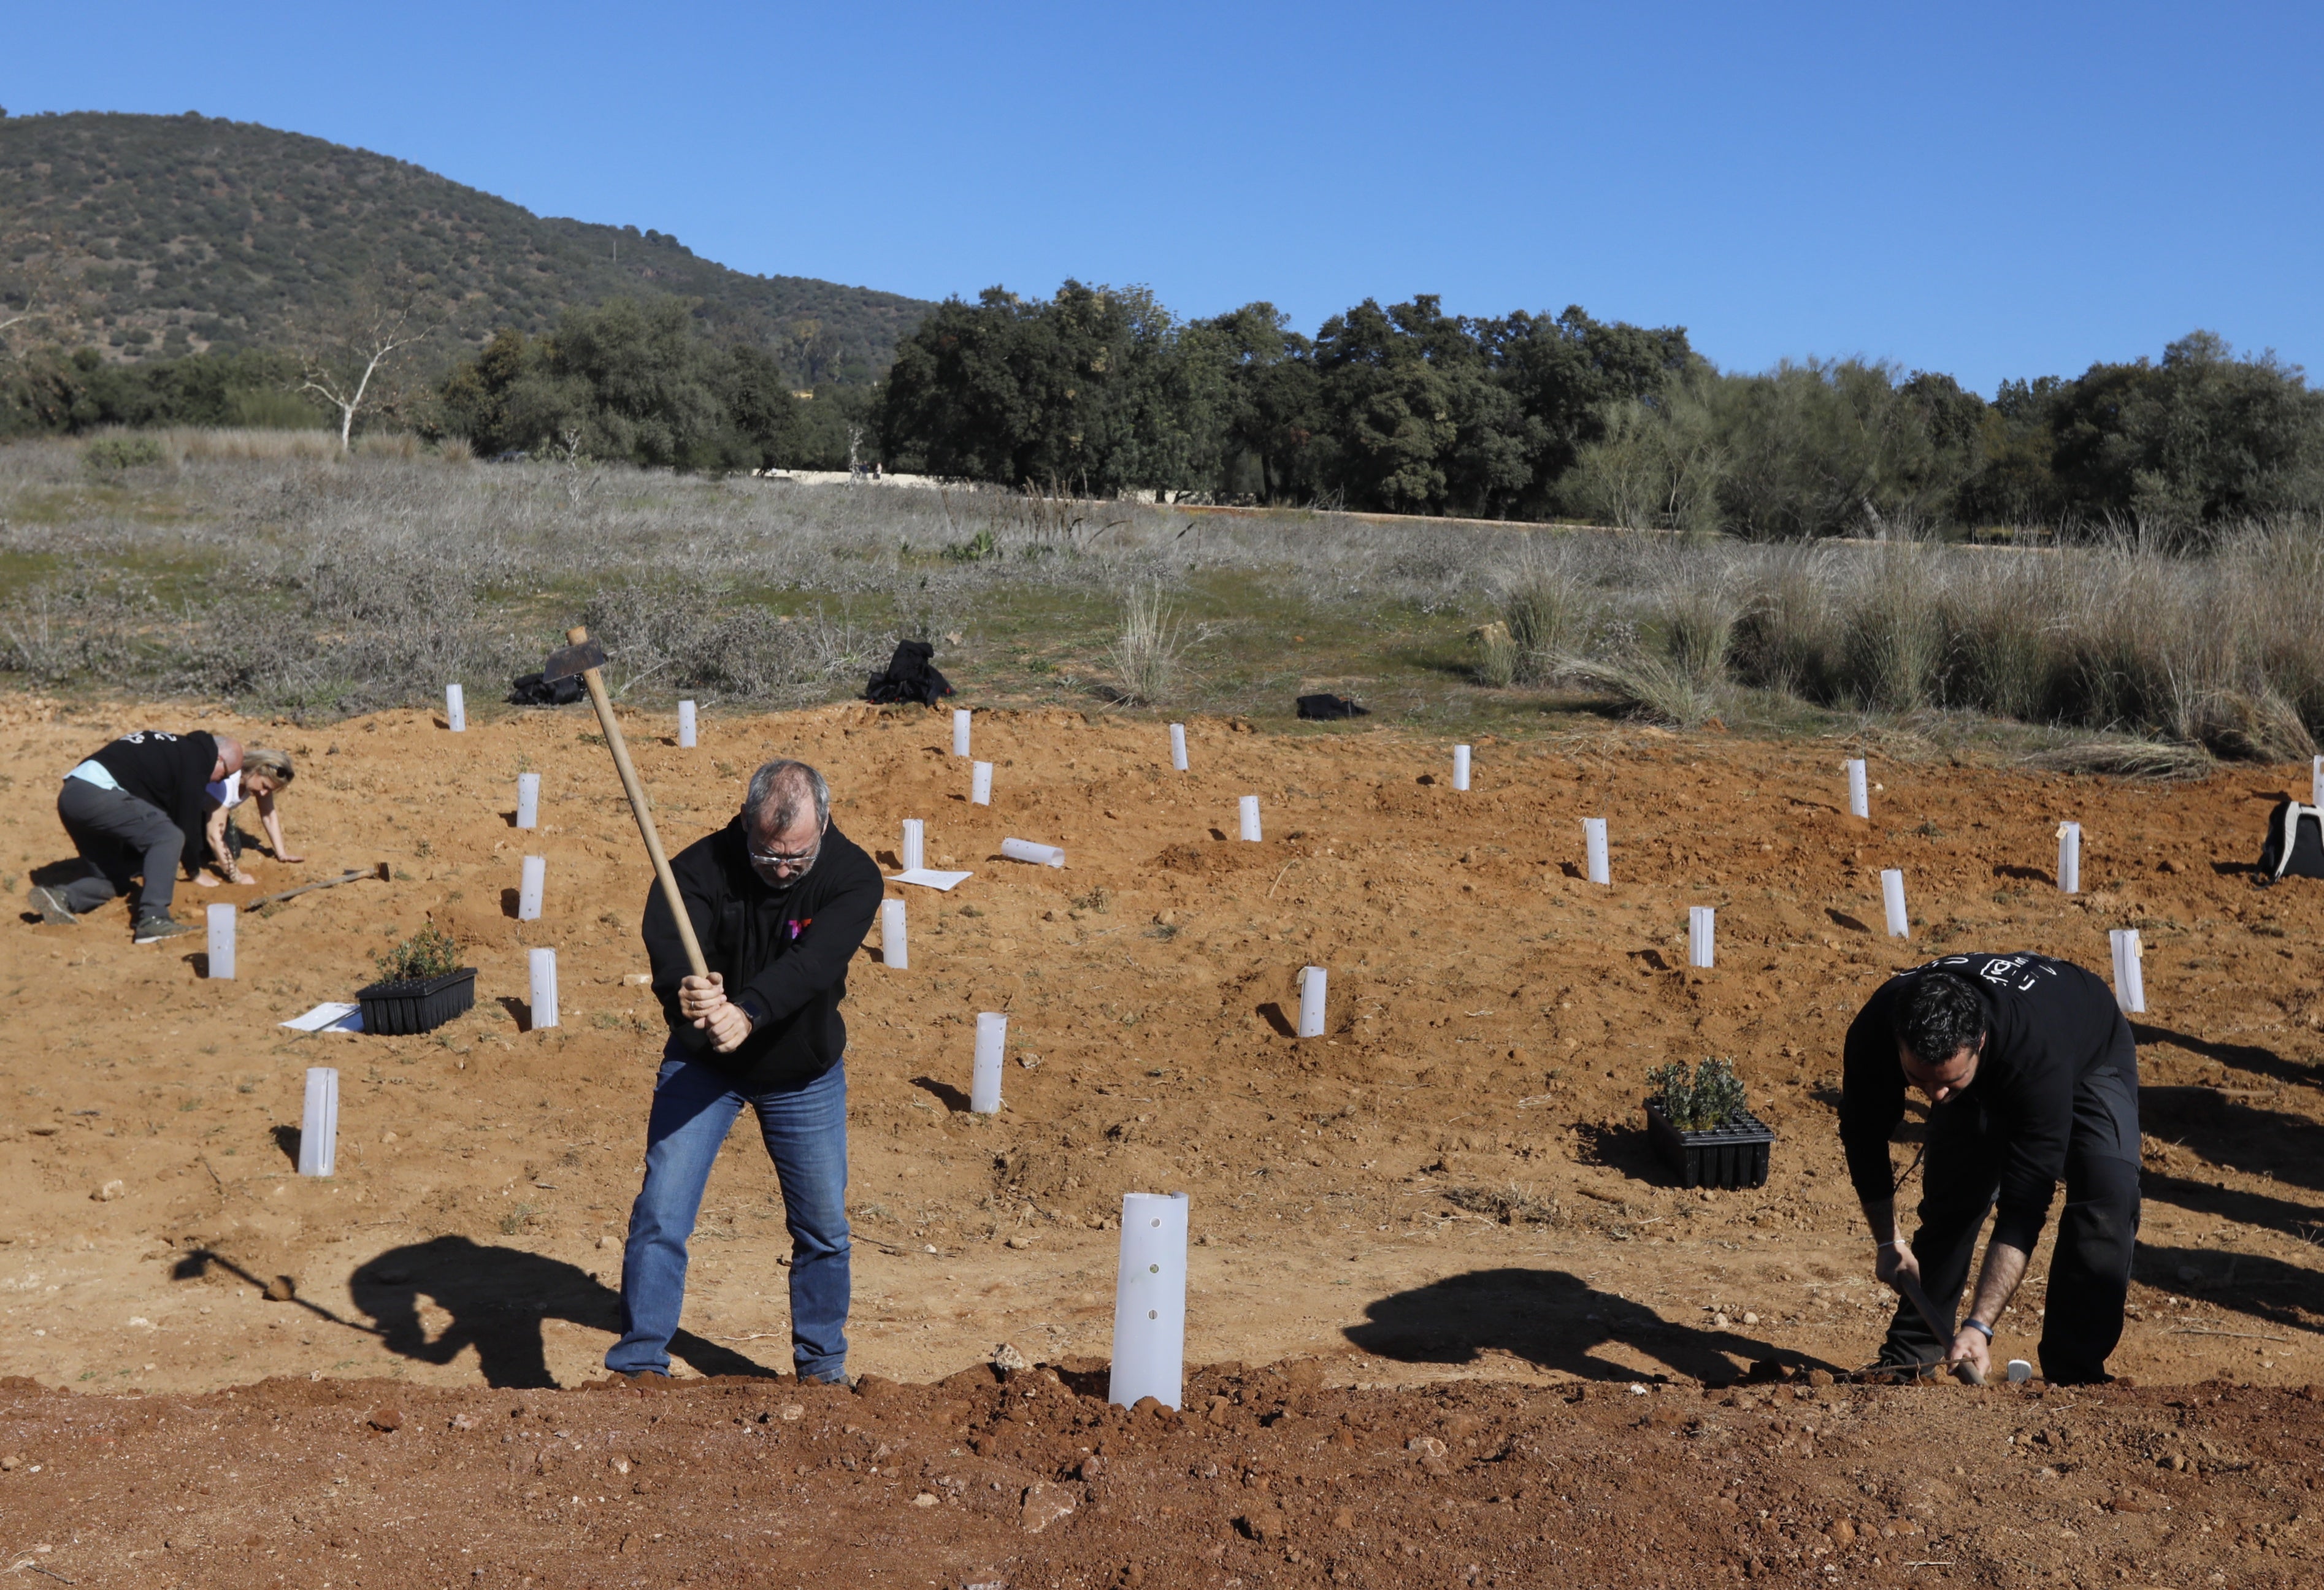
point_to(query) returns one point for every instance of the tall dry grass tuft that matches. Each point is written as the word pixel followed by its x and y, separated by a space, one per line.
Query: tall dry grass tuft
pixel 1147 655
pixel 1548 613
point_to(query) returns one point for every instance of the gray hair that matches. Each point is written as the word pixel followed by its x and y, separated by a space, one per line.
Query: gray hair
pixel 780 784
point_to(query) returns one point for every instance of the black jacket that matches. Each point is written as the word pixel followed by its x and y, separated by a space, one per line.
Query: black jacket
pixel 2052 1031
pixel 171 773
pixel 784 955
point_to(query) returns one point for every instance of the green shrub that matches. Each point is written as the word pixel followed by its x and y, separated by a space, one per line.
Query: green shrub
pixel 427 953
pixel 1711 1096
pixel 119 452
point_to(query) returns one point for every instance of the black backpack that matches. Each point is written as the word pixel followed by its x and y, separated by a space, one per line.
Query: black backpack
pixel 2295 843
pixel 910 677
pixel 531 690
pixel 1326 708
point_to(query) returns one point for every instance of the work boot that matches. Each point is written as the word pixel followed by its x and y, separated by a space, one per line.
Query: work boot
pixel 52 908
pixel 154 926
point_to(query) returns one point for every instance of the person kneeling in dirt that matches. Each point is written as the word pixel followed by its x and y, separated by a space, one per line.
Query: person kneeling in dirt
pixel 264 775
pixel 779 900
pixel 134 810
pixel 2031 1075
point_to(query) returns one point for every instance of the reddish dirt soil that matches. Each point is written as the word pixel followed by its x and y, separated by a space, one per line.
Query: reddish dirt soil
pixel 1444 1210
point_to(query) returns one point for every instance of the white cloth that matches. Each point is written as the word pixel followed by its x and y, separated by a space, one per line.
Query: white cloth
pixel 227 791
pixel 94 773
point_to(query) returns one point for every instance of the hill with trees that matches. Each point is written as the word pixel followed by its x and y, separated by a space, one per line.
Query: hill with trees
pixel 154 237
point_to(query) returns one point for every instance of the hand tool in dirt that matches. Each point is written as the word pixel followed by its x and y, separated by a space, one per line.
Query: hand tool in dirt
pixel 379 873
pixel 1911 1289
pixel 584 658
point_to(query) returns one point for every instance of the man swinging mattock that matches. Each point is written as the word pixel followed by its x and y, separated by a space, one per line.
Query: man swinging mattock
pixel 2031 1075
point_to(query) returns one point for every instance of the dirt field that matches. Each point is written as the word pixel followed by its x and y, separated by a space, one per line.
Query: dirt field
pixel 1440 1221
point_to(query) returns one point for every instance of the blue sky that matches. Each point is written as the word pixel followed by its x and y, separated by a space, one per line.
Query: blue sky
pixel 1992 190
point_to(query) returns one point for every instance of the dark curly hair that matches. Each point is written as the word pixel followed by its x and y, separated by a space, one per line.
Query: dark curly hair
pixel 1939 1016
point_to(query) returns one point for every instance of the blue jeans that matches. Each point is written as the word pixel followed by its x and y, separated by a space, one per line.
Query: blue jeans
pixel 805 1132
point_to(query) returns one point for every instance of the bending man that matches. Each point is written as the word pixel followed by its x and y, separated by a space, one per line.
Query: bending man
pixel 135 810
pixel 780 901
pixel 2031 1076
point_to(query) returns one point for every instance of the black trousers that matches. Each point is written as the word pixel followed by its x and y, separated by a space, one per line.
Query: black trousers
pixel 2089 1267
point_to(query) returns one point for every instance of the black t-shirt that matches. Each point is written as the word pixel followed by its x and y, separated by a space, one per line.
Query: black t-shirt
pixel 2050 1026
pixel 785 956
pixel 170 772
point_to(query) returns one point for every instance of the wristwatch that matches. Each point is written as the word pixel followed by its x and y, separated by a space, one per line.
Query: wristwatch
pixel 1975 1324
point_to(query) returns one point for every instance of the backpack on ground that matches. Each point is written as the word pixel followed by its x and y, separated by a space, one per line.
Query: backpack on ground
pixel 910 676
pixel 2295 843
pixel 531 690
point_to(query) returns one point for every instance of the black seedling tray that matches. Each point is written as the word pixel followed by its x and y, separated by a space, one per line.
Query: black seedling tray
pixel 418 1006
pixel 1731 1155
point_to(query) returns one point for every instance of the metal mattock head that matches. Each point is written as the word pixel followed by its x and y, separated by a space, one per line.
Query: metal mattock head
pixel 572 662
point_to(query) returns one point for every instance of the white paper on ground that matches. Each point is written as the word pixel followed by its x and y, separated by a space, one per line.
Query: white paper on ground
pixel 330 1016
pixel 933 878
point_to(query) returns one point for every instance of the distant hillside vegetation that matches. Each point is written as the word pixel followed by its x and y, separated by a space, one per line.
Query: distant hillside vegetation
pixel 155 237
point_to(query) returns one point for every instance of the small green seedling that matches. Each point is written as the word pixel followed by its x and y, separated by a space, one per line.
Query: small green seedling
pixel 427 953
pixel 1707 1100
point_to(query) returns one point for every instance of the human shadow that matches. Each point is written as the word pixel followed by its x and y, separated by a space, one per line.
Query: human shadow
pixel 2253 1284
pixel 2242 1137
pixel 1554 1320
pixel 2284 1215
pixel 944 1093
pixel 499 1300
pixel 2242 1057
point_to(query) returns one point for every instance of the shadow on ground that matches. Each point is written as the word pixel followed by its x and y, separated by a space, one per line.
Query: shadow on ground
pixel 498 1299
pixel 1551 1320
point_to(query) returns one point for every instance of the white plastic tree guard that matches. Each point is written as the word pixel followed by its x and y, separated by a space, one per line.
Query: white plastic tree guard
pixel 915 848
pixel 2129 976
pixel 1248 809
pixel 1312 981
pixel 2070 857
pixel 319 1123
pixel 1178 747
pixel 532 881
pixel 542 965
pixel 456 710
pixel 1149 1301
pixel 1859 793
pixel 894 955
pixel 686 724
pixel 1702 924
pixel 1460 766
pixel 1892 900
pixel 960 731
pixel 221 926
pixel 528 800
pixel 980 784
pixel 991 1045
pixel 2316 782
pixel 1025 850
pixel 1593 843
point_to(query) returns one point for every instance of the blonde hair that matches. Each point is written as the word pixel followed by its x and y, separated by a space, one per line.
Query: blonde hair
pixel 272 763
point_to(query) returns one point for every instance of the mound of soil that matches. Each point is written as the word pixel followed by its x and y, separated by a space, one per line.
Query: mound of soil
pixel 1268 1477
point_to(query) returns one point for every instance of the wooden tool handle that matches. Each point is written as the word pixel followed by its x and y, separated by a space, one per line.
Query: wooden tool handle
pixel 644 813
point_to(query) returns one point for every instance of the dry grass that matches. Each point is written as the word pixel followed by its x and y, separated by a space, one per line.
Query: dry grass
pixel 262 567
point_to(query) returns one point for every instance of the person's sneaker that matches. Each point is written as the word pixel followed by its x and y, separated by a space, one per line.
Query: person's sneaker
pixel 156 925
pixel 52 908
